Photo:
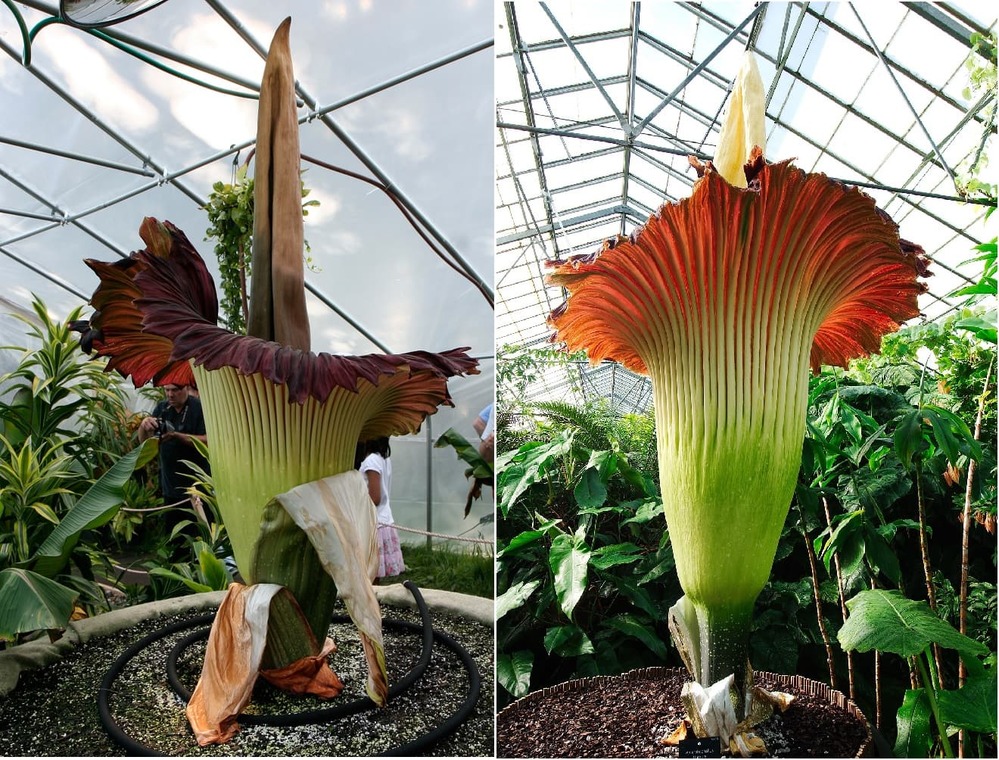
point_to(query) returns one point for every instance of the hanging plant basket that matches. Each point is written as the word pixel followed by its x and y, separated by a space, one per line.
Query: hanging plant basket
pixel 628 715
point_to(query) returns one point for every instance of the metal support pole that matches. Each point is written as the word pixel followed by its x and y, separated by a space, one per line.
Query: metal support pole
pixel 430 482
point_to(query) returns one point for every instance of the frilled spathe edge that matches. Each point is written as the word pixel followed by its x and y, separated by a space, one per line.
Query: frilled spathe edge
pixel 788 238
pixel 156 313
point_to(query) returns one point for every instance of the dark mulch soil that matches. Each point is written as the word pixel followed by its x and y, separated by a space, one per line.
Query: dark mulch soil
pixel 628 718
pixel 54 711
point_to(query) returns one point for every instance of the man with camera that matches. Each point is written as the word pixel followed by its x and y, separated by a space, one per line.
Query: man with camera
pixel 177 422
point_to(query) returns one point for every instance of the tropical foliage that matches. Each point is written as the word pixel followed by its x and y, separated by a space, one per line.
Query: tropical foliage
pixel 63 468
pixel 586 575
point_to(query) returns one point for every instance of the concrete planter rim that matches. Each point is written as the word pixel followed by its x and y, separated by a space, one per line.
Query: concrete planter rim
pixel 35 655
pixel 810 686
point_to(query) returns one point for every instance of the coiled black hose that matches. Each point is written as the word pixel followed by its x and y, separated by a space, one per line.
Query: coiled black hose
pixel 311 717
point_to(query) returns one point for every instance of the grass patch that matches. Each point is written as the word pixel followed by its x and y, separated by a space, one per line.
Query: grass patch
pixel 440 568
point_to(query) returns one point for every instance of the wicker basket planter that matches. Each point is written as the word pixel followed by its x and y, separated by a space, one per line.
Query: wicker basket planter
pixel 627 716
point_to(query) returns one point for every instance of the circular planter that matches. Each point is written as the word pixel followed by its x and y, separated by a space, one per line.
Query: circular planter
pixel 49 691
pixel 628 715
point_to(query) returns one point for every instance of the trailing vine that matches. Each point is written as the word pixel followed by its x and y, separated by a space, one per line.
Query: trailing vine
pixel 981 67
pixel 230 219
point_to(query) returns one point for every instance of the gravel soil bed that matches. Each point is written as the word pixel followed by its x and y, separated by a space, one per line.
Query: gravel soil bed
pixel 53 712
pixel 628 718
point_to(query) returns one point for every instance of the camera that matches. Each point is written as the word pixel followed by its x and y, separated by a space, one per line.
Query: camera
pixel 162 426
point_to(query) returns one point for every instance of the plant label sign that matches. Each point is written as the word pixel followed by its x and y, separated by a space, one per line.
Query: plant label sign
pixel 693 747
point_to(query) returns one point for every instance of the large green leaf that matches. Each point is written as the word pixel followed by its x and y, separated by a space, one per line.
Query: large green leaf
pixel 513 671
pixel 567 641
pixel 880 556
pixel 528 537
pixel 569 559
pixel 646 510
pixel 32 602
pixel 633 626
pixel 196 587
pixel 983 328
pixel 888 622
pixel 514 597
pixel 466 453
pixel 844 541
pixel 212 568
pixel 615 554
pixel 951 433
pixel 636 595
pixel 973 706
pixel 527 466
pixel 591 490
pixel 96 507
pixel 913 719
pixel 520 541
pixel 874 490
pixel 909 436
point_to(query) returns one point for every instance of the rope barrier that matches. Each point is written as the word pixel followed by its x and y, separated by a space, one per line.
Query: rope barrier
pixel 488 541
pixel 438 535
pixel 157 509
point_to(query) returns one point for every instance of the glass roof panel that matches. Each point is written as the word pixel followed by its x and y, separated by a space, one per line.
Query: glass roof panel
pixel 833 107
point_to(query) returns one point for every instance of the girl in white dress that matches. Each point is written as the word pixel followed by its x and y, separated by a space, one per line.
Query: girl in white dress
pixel 376 466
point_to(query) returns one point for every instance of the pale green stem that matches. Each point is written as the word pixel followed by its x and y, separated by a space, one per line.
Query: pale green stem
pixel 730 379
pixel 724 642
pixel 921 662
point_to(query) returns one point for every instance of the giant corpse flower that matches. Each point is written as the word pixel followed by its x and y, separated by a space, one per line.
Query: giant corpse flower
pixel 725 299
pixel 282 423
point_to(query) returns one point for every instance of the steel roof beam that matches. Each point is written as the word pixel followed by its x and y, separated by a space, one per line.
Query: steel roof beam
pixel 636 15
pixel 567 224
pixel 905 97
pixel 699 67
pixel 894 65
pixel 943 22
pixel 595 138
pixel 77 157
pixel 625 127
pixel 360 154
pixel 43 273
pixel 580 39
pixel 520 59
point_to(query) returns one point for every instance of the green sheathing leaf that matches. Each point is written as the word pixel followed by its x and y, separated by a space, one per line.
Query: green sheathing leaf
pixel 513 671
pixel 32 602
pixel 915 737
pixel 888 622
pixel 337 516
pixel 284 555
pixel 569 558
pixel 973 706
pixel 96 507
